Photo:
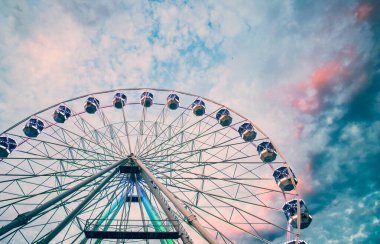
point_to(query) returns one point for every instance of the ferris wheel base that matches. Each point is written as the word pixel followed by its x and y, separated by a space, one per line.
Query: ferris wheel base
pixel 131 235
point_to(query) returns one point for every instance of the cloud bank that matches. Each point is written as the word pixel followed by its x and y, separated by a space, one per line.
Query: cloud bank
pixel 306 71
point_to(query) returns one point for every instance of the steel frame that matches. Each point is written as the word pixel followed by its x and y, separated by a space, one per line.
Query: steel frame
pixel 179 154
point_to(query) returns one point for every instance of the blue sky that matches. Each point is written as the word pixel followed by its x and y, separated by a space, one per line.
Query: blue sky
pixel 306 71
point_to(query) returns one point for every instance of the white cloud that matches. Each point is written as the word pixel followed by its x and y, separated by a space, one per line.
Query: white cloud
pixel 360 235
pixel 248 55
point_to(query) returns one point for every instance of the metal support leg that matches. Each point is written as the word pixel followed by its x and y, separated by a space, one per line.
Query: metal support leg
pixel 178 227
pixel 24 218
pixel 75 212
pixel 191 218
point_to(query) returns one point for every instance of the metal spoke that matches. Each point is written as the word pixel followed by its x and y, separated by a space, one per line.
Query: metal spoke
pixel 178 167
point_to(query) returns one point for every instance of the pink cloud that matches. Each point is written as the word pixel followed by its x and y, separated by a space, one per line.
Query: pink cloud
pixel 304 179
pixel 325 75
pixel 309 95
pixel 298 130
pixel 363 11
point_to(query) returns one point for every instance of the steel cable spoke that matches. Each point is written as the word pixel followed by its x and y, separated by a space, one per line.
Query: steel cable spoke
pixel 208 167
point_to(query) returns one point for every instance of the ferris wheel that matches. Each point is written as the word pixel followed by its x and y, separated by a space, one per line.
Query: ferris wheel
pixel 145 166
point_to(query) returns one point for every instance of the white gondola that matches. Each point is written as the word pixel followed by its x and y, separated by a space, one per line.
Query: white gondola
pixel 92 105
pixel 146 99
pixel 247 132
pixel 61 114
pixel 119 100
pixel 198 107
pixel 290 211
pixel 172 101
pixel 224 118
pixel 267 152
pixel 33 127
pixel 283 178
pixel 7 145
pixel 295 242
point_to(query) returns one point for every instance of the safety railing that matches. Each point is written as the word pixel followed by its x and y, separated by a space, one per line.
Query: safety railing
pixel 131 225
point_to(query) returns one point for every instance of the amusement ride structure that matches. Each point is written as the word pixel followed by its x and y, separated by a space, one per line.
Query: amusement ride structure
pixel 145 166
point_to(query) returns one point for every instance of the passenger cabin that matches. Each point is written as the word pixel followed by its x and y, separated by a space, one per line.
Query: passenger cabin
pixel 92 105
pixel 290 211
pixel 283 178
pixel 247 132
pixel 267 152
pixel 33 127
pixel 146 99
pixel 294 242
pixel 61 114
pixel 7 145
pixel 224 118
pixel 119 100
pixel 198 107
pixel 172 101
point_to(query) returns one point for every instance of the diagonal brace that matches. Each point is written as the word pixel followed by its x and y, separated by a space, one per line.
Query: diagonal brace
pixel 75 212
pixel 24 218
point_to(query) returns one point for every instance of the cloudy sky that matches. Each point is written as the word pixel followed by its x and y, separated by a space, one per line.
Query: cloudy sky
pixel 306 71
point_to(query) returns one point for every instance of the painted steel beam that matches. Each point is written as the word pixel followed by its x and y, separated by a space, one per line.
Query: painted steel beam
pixel 24 218
pixel 156 193
pixel 190 217
pixel 74 213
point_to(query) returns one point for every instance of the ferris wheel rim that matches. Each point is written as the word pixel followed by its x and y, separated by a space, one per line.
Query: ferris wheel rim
pixel 164 90
pixel 152 89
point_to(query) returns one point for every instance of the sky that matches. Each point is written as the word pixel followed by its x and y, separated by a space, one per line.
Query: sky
pixel 307 72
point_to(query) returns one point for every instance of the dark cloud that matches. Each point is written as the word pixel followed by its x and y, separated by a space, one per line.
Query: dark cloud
pixel 365 107
pixel 361 149
pixel 346 172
